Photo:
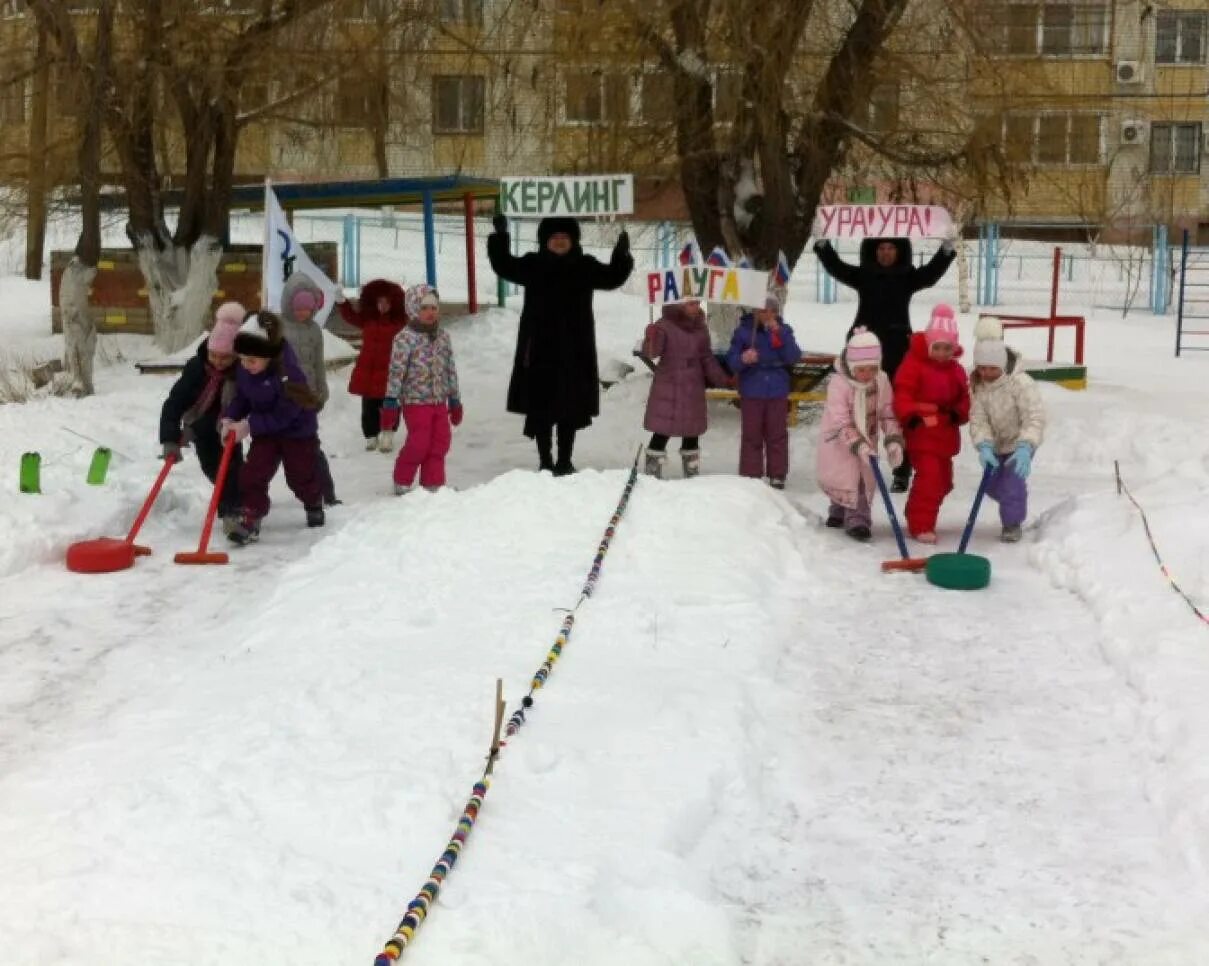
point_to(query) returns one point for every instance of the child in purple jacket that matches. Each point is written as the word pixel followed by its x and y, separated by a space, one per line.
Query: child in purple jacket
pixel 274 406
pixel 762 351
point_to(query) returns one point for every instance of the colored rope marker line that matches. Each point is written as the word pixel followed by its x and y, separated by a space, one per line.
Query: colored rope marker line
pixel 1122 488
pixel 420 907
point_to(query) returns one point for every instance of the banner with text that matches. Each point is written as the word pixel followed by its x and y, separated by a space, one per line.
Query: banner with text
pixel 602 194
pixel 708 283
pixel 882 221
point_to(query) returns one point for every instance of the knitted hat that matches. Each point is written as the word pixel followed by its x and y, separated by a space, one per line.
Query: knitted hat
pixel 772 301
pixel 226 325
pixel 260 336
pixel 863 349
pixel 419 296
pixel 305 300
pixel 991 352
pixel 942 327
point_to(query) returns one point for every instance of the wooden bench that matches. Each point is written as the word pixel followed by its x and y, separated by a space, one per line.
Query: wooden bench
pixel 811 396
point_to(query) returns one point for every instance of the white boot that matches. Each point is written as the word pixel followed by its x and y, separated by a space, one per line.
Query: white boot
pixel 690 459
pixel 371 443
pixel 386 440
pixel 653 465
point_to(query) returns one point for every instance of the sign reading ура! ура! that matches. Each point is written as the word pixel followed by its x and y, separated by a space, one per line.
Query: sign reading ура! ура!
pixel 600 194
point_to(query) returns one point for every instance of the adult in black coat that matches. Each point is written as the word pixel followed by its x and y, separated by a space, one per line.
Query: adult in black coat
pixel 885 281
pixel 191 413
pixel 555 379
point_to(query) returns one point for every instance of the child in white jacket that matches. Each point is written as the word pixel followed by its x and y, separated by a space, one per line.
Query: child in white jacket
pixel 1007 423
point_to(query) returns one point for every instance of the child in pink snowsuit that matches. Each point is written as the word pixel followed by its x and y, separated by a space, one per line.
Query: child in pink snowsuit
pixel 424 379
pixel 859 409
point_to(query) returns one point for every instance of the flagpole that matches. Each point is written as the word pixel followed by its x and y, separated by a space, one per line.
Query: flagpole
pixel 264 249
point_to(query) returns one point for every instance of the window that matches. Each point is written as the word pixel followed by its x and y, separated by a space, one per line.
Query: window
pixel 468 12
pixel 594 97
pixel 1175 148
pixel 1048 29
pixel 658 98
pixel 1053 138
pixel 1180 37
pixel 458 104
pixel 882 112
pixel 12 102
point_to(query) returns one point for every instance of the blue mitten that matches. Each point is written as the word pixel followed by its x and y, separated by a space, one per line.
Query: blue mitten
pixel 987 457
pixel 390 403
pixel 1021 461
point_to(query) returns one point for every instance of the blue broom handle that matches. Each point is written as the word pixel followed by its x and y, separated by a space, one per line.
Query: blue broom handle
pixel 881 485
pixel 982 488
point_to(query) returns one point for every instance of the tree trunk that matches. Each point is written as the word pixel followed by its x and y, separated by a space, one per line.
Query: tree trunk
pixel 181 283
pixel 35 226
pixel 79 330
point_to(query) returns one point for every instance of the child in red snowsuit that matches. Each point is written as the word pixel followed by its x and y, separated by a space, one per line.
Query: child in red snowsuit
pixel 931 399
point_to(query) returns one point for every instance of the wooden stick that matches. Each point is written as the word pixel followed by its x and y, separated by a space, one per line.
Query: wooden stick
pixel 499 721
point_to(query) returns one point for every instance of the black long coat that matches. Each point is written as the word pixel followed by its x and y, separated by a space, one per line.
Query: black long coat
pixel 555 377
pixel 884 306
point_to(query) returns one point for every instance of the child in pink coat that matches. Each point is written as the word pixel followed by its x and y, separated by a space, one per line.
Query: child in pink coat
pixel 859 409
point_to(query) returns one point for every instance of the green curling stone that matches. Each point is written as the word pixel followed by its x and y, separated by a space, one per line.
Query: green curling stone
pixel 958 571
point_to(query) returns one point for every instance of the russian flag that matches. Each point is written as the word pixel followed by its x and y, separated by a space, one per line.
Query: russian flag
pixel 690 253
pixel 718 257
pixel 780 274
pixel 744 262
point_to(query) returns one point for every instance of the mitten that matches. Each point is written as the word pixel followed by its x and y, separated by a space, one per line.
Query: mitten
pixel 894 453
pixel 390 403
pixel 500 223
pixel 455 412
pixel 986 456
pixel 750 357
pixel 623 243
pixel 820 245
pixel 240 428
pixel 863 451
pixel 1021 461
pixel 172 450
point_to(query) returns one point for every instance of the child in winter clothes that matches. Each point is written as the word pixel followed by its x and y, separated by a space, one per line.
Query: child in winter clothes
pixel 931 399
pixel 424 379
pixel 860 407
pixel 196 402
pixel 762 351
pixel 301 299
pixel 676 404
pixel 274 405
pixel 380 316
pixel 1007 422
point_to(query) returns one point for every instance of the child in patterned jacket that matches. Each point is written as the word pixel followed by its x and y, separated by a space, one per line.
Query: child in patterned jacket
pixel 1007 423
pixel 423 380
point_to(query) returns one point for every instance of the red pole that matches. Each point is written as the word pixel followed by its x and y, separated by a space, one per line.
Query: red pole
pixel 1079 341
pixel 472 295
pixel 1049 349
pixel 149 502
pixel 1053 290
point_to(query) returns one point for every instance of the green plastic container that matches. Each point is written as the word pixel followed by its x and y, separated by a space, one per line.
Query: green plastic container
pixel 99 466
pixel 958 571
pixel 31 473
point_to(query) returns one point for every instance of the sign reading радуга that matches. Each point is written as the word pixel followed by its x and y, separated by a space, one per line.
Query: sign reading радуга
pixel 707 283
pixel 600 194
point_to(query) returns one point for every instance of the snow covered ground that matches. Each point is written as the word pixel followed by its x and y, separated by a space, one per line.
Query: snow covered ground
pixel 757 749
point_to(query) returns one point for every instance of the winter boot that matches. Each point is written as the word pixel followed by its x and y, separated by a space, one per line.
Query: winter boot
pixel 244 530
pixel 859 533
pixel 776 483
pixel 315 516
pixel 835 521
pixel 563 468
pixel 690 462
pixel 901 482
pixel 401 489
pixel 655 460
pixel 371 443
pixel 1011 534
pixel 386 440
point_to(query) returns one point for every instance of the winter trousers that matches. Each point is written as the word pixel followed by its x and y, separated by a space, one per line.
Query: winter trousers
pixel 543 435
pixel 301 461
pixel 858 516
pixel 659 443
pixel 325 476
pixel 209 454
pixel 371 416
pixel 428 438
pixel 764 441
pixel 1010 492
pixel 933 482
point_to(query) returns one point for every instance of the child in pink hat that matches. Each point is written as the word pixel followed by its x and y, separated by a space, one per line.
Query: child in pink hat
pixel 931 400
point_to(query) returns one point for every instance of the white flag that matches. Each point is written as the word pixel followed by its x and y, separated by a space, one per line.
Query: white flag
pixel 283 256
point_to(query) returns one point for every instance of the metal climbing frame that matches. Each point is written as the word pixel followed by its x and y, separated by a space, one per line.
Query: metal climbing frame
pixel 1193 307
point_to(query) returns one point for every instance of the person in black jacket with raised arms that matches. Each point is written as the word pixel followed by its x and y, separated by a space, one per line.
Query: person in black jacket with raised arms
pixel 555 378
pixel 885 281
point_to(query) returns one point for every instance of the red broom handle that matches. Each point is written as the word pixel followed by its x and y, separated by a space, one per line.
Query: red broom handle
pixel 219 480
pixel 169 462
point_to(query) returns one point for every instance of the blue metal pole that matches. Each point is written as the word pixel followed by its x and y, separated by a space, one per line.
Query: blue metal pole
pixel 993 267
pixel 1179 319
pixel 978 293
pixel 347 232
pixel 357 249
pixel 430 248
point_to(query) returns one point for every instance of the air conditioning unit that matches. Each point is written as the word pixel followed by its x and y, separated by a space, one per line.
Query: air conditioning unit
pixel 1128 72
pixel 1133 133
